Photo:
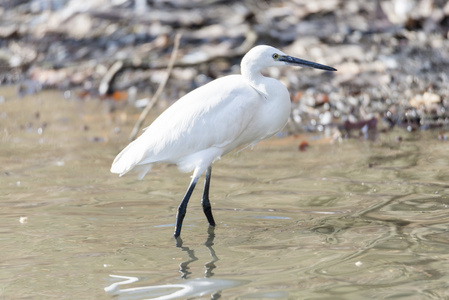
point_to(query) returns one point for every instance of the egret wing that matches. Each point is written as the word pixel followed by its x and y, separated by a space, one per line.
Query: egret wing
pixel 213 117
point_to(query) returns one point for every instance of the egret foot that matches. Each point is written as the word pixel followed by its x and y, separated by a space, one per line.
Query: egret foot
pixel 208 211
pixel 182 208
pixel 207 208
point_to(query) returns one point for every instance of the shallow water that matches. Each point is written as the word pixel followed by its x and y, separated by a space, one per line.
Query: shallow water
pixel 350 220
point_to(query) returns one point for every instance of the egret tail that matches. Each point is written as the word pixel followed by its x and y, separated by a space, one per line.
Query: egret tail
pixel 128 159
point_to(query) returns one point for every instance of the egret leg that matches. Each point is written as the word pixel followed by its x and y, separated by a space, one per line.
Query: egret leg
pixel 207 208
pixel 182 208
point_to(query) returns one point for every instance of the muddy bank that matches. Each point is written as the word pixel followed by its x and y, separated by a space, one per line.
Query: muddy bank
pixel 392 56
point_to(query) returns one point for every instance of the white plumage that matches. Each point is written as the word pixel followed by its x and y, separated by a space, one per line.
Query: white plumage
pixel 214 119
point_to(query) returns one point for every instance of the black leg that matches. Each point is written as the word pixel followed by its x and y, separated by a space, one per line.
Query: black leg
pixel 182 208
pixel 205 200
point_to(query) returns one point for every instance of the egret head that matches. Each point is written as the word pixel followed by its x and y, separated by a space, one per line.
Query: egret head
pixel 263 56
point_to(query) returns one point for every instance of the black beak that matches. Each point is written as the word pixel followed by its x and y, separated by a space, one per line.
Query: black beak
pixel 305 63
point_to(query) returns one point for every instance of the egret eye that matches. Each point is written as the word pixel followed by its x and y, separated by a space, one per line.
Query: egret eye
pixel 275 56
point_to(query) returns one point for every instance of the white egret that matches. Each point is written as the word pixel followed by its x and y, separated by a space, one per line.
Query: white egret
pixel 213 120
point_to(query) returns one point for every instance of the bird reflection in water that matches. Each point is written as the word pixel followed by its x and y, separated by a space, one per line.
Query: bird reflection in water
pixel 210 266
pixel 187 288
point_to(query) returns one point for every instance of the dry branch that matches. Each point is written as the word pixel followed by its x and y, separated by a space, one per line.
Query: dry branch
pixel 158 93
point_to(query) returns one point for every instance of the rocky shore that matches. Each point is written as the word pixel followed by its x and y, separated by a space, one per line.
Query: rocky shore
pixel 392 56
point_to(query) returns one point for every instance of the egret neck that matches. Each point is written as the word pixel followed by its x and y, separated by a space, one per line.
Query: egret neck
pixel 251 72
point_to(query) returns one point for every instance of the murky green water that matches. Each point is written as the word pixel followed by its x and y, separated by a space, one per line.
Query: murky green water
pixel 352 220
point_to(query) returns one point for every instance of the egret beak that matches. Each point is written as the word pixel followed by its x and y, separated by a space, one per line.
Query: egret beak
pixel 305 63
